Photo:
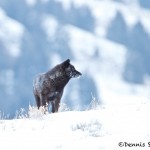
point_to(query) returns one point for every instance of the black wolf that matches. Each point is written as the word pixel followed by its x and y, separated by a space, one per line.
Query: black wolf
pixel 48 87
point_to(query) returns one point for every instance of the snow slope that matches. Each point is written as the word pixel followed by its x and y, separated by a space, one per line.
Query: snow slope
pixel 98 129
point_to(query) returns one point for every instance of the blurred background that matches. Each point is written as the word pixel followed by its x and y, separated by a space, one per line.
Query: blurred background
pixel 107 40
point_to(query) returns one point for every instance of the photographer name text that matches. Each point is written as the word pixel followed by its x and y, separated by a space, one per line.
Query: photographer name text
pixel 132 144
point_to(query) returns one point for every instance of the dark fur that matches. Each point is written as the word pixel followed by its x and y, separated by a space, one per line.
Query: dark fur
pixel 49 86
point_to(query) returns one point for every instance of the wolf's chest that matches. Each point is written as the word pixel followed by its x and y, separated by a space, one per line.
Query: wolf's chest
pixel 58 83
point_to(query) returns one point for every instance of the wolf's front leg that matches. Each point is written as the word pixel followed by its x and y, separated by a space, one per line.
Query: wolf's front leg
pixel 56 102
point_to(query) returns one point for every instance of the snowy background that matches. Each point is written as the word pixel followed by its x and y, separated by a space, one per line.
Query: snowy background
pixel 107 40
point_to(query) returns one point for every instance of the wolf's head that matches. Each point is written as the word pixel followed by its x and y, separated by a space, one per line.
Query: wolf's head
pixel 70 69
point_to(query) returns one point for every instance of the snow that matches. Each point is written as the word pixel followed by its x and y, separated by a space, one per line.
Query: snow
pixel 11 33
pixel 49 25
pixel 31 2
pixel 100 128
pixel 107 60
pixel 104 12
pixel 7 79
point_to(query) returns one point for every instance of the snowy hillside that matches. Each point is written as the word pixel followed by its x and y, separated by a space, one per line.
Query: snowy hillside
pixel 107 40
pixel 101 129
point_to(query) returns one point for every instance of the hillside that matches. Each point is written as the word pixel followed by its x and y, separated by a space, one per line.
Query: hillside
pixel 102 128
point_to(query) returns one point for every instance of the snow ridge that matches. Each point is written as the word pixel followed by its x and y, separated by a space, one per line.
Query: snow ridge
pixel 100 128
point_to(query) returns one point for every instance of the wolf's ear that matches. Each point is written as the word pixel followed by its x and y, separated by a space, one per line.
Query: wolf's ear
pixel 66 63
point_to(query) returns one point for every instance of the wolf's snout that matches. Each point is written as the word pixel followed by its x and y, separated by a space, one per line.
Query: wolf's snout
pixel 80 74
pixel 77 74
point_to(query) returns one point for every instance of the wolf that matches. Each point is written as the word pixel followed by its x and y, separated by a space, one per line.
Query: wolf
pixel 48 87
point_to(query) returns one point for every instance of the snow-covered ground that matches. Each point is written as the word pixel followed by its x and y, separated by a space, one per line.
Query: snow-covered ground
pixel 102 128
